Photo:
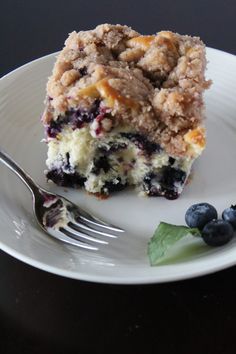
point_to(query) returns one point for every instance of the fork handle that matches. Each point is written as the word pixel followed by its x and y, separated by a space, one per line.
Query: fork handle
pixel 12 165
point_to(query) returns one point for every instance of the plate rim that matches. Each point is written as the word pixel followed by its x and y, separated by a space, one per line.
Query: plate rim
pixel 113 280
pixel 106 279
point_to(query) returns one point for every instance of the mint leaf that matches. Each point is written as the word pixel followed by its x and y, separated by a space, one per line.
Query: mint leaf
pixel 165 236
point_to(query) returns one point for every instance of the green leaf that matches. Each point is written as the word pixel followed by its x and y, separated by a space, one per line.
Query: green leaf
pixel 165 236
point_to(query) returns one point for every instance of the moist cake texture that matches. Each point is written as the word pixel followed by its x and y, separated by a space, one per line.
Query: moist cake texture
pixel 123 109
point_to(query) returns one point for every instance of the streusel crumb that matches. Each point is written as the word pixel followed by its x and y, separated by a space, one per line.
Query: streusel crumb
pixel 153 83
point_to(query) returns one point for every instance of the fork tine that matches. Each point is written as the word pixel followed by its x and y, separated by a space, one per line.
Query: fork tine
pixel 75 230
pixel 101 224
pixel 70 236
pixel 87 217
pixel 78 226
pixel 62 236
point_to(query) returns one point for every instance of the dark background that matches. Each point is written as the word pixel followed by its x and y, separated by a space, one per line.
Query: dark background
pixel 45 313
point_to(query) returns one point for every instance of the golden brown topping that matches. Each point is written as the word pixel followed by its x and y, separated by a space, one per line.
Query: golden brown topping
pixel 196 137
pixel 131 54
pixel 112 95
pixel 89 91
pixel 107 92
pixel 162 38
pixel 169 35
pixel 142 42
pixel 166 42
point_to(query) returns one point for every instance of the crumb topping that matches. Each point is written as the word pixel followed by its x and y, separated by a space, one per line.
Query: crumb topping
pixel 153 83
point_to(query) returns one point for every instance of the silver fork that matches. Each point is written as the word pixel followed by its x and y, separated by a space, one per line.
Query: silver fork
pixel 61 218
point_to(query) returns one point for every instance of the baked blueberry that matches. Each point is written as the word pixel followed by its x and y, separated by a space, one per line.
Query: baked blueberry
pixel 229 215
pixel 217 232
pixel 142 142
pixel 66 179
pixel 78 117
pixel 101 163
pixel 165 182
pixel 151 184
pixel 74 118
pixel 171 177
pixel 171 195
pixel 113 186
pixel 171 160
pixel 198 215
pixel 111 147
pixel 53 129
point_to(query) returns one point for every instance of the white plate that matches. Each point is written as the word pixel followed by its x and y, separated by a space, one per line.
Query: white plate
pixel 124 260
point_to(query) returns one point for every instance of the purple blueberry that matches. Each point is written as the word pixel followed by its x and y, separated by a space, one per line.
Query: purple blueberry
pixel 172 177
pixel 198 215
pixel 99 164
pixel 165 182
pixel 61 178
pixel 111 147
pixel 113 186
pixel 171 160
pixel 53 129
pixel 229 215
pixel 75 118
pixel 217 233
pixel 142 142
pixel 78 117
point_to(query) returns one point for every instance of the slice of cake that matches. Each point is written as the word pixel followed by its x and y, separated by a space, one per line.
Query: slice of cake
pixel 124 109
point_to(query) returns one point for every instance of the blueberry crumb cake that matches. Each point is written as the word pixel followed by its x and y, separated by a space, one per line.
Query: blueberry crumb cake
pixel 124 109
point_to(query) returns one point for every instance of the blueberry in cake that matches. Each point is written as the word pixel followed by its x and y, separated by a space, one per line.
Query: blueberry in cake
pixel 123 109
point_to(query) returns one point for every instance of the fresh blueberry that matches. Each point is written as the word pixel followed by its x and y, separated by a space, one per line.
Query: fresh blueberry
pixel 229 215
pixel 217 233
pixel 198 215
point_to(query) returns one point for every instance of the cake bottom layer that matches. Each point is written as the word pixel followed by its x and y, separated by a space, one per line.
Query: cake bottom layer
pixel 113 162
